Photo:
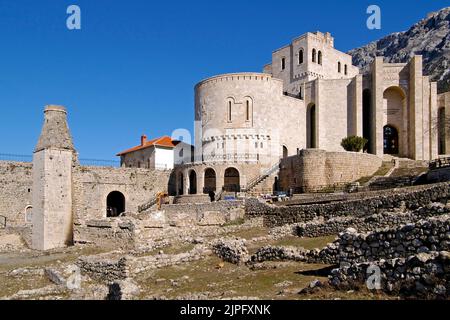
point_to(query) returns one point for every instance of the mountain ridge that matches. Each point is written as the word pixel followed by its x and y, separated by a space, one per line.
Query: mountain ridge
pixel 430 37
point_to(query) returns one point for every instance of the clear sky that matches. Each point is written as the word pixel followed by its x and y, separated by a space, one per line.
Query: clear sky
pixel 132 67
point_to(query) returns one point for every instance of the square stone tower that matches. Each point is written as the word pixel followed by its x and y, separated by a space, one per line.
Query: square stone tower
pixel 52 182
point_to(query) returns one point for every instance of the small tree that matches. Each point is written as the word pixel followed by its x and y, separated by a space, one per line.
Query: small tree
pixel 353 143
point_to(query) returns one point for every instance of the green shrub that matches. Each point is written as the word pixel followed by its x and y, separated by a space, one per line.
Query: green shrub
pixel 353 143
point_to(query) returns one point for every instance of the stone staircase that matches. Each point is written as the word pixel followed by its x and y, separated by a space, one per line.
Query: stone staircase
pixel 252 186
pixel 405 172
pixel 148 205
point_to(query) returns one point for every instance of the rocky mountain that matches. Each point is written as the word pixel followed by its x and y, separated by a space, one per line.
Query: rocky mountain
pixel 429 37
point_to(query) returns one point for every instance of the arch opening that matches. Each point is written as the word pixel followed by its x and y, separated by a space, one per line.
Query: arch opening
pixel 115 204
pixel 232 180
pixel 210 181
pixel 180 179
pixel 192 182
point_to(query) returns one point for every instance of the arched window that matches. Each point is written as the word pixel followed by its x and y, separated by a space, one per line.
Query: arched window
pixel 345 69
pixel 248 109
pixel 229 111
pixel 28 214
pixel 283 63
pixel 319 57
pixel 314 55
pixel 300 56
pixel 300 92
pixel 311 126
pixel 285 152
pixel 339 67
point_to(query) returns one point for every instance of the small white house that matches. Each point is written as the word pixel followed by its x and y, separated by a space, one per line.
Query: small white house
pixel 160 154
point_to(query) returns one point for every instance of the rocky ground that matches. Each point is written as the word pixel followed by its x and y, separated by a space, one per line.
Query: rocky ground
pixel 242 260
pixel 187 269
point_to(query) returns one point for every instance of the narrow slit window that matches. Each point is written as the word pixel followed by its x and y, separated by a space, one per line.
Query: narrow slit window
pixel 247 111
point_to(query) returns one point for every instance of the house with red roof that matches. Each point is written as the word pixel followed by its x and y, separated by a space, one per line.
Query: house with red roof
pixel 160 154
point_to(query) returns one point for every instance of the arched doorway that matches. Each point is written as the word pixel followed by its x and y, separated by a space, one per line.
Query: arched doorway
pixel 367 118
pixel 285 152
pixel 192 182
pixel 311 126
pixel 115 204
pixel 441 131
pixel 232 180
pixel 390 140
pixel 210 181
pixel 180 180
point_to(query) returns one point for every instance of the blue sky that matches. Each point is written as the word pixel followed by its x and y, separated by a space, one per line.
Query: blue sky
pixel 132 67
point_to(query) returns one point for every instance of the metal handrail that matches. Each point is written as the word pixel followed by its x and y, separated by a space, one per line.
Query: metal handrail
pixel 260 178
pixel 148 204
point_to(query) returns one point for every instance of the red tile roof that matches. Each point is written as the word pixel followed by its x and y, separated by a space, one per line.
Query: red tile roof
pixel 159 142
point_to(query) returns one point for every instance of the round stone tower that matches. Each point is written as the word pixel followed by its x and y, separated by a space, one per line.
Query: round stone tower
pixel 52 182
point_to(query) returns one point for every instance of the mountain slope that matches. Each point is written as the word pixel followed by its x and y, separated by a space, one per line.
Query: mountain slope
pixel 429 37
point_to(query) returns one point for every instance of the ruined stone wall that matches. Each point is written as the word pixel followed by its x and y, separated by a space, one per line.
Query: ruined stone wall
pixel 398 242
pixel 204 213
pixel 107 233
pixel 413 198
pixel 93 184
pixel 376 221
pixel 423 275
pixel 314 169
pixel 16 182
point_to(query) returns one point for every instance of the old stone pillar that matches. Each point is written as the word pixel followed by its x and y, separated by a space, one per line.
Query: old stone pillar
pixel 52 182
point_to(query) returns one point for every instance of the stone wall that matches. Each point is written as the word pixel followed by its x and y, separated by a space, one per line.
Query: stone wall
pixel 423 275
pixel 16 183
pixel 412 198
pixel 104 267
pixel 402 241
pixel 200 213
pixel 231 250
pixel 93 184
pixel 107 233
pixel 315 169
pixel 376 221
